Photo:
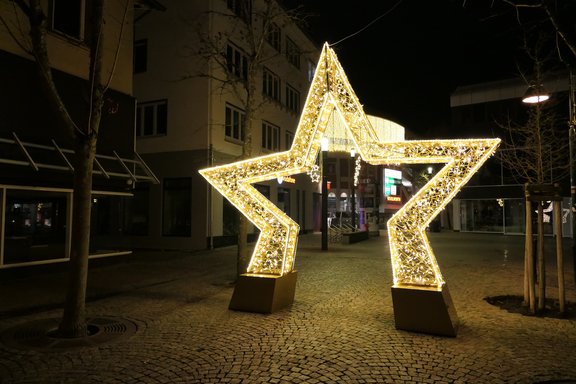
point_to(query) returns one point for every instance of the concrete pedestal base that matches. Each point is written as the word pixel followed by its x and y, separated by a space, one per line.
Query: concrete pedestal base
pixel 426 310
pixel 263 294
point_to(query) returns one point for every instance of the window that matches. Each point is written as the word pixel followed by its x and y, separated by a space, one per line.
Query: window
pixel 235 122
pixel 289 138
pixel 177 207
pixel 273 36
pixel 284 200
pixel 271 85
pixel 67 17
pixel 140 56
pixel 311 71
pixel 270 136
pixel 242 9
pixel 237 62
pixel 35 225
pixel 152 118
pixel 292 53
pixel 292 99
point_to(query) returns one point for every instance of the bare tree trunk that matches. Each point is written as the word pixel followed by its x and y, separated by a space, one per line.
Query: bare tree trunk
pixel 559 255
pixel 541 263
pixel 528 271
pixel 73 323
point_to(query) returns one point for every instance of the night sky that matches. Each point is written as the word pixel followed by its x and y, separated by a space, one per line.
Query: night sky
pixel 405 65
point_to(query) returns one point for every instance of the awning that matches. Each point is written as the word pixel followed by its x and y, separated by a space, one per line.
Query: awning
pixel 13 151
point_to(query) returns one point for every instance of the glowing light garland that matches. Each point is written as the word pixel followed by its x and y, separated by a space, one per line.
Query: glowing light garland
pixel 412 258
pixel 357 169
pixel 314 173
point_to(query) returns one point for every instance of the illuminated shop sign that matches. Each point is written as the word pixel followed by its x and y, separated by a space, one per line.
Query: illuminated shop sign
pixel 392 182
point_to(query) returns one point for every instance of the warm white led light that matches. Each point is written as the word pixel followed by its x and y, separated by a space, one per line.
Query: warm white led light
pixel 412 258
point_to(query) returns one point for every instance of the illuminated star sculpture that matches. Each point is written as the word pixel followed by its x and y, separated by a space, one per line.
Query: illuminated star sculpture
pixel 330 92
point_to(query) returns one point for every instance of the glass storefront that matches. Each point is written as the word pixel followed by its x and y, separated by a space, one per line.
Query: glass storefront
pixel 35 226
pixel 37 230
pixel 500 216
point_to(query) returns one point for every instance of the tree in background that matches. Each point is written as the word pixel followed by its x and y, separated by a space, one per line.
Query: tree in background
pixel 536 152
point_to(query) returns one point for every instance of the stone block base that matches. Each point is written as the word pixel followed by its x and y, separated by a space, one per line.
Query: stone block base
pixel 263 294
pixel 425 310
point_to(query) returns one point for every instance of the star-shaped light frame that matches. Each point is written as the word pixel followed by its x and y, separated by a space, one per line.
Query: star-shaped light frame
pixel 412 258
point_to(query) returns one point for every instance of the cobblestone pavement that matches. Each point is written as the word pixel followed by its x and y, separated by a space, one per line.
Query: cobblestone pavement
pixel 340 328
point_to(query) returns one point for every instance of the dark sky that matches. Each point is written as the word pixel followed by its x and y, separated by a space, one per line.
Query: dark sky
pixel 405 65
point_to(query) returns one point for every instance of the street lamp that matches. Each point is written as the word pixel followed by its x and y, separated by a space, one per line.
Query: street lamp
pixel 353 194
pixel 324 148
pixel 535 94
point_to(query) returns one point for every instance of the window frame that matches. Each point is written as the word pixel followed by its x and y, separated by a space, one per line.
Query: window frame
pixel 271 85
pixel 274 36
pixel 292 99
pixel 292 52
pixel 241 8
pixel 236 62
pixel 81 22
pixel 140 44
pixel 141 121
pixel 288 139
pixel 229 124
pixel 187 232
pixel 270 136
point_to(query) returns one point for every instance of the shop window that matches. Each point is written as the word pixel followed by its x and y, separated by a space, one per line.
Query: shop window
pixel 177 207
pixel 284 200
pixel 35 226
pixel 331 202
pixel 343 202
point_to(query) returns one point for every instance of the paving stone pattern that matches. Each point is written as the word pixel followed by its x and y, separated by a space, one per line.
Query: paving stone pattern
pixel 340 328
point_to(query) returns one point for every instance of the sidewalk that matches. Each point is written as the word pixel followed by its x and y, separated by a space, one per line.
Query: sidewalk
pixel 340 328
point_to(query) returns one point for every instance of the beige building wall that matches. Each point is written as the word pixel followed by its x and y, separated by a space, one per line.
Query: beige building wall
pixel 71 55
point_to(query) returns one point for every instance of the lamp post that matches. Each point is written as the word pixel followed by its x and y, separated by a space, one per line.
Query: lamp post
pixel 572 147
pixel 353 194
pixel 324 148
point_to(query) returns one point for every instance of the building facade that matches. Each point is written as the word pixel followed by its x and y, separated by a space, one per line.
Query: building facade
pixel 195 64
pixel 36 153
